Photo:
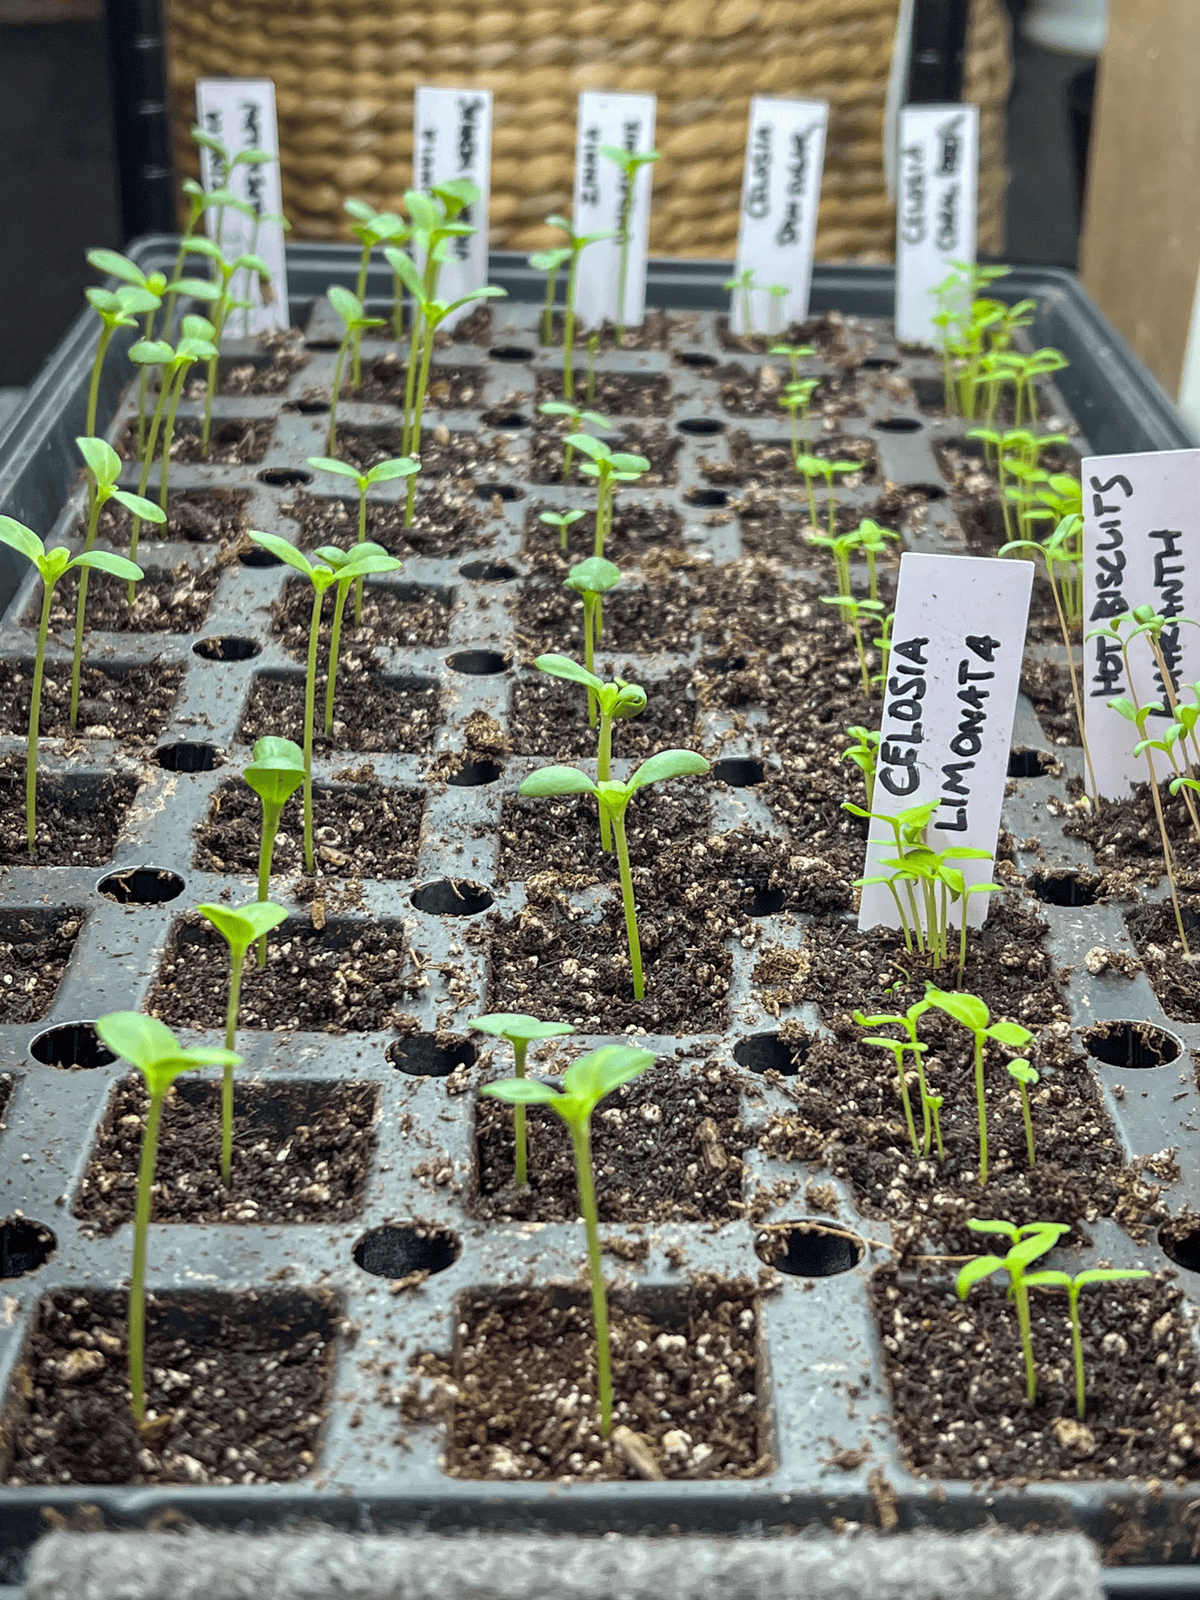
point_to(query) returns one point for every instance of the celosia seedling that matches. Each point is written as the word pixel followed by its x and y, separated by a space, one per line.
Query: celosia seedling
pixel 611 701
pixel 372 228
pixel 51 565
pixel 1028 1243
pixel 609 468
pixel 563 521
pixel 549 262
pixel 521 1031
pixel 362 558
pixel 1049 1279
pixel 971 1012
pixel 1025 1075
pixel 224 273
pixel 152 1048
pixel 275 774
pixel 239 928
pixel 585 1083
pixel 575 421
pixel 899 1048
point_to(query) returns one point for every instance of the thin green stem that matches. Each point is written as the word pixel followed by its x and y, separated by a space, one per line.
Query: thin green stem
pixel 271 816
pixel 589 651
pixel 581 1139
pixel 1021 1296
pixel 1077 1350
pixel 569 328
pixel 335 640
pixel 520 1175
pixel 547 329
pixel 80 608
pixel 310 696
pixel 397 307
pixel 360 291
pixel 904 1098
pixel 137 1278
pixel 418 408
pixel 331 442
pixel 238 959
pixel 143 382
pixel 220 312
pixel 603 773
pixel 106 333
pixel 631 927
pixel 410 378
pixel 981 1103
pixel 148 458
pixel 362 536
pixel 35 704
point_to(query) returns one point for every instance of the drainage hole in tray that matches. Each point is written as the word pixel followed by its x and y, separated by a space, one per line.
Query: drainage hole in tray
pixel 1030 763
pixel 141 886
pixel 24 1246
pixel 497 491
pixel 697 359
pixel 510 352
pixel 506 419
pixel 424 1055
pixel 227 648
pixel 71 1044
pixel 1064 888
pixel 474 774
pixel 478 663
pixel 808 1249
pixel 739 772
pixel 761 899
pixel 253 555
pixel 707 497
pixel 898 425
pixel 700 425
pixel 285 477
pixel 452 897
pixel 187 757
pixel 394 1252
pixel 1183 1248
pixel 1131 1044
pixel 767 1052
pixel 488 571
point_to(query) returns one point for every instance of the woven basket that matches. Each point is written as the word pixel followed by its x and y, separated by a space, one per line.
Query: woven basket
pixel 345 74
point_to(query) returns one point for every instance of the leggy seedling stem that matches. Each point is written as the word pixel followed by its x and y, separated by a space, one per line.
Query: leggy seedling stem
pixel 1074 1286
pixel 521 1031
pixel 1028 1243
pixel 275 774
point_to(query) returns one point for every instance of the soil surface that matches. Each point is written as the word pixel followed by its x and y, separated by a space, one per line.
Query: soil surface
pixel 367 831
pixel 395 616
pixel 301 1153
pixel 637 530
pixel 287 356
pixel 758 394
pixel 446 521
pixel 33 957
pixel 369 713
pixel 171 601
pixel 1174 979
pixel 346 977
pixel 957 1376
pixel 770 461
pixel 684 1382
pixel 78 820
pixel 453 388
pixel 656 442
pixel 460 455
pixel 617 394
pixel 236 1390
pixel 549 717
pixel 128 703
pixel 194 516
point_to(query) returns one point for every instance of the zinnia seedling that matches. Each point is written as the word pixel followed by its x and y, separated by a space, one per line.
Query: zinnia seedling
pixel 630 162
pixel 51 564
pixel 617 699
pixel 152 1048
pixel 971 1012
pixel 275 774
pixel 224 272
pixel 812 467
pixel 381 472
pixel 609 468
pixel 116 309
pixel 577 243
pixel 239 928
pixel 105 466
pixel 365 559
pixel 562 520
pixel 1028 1243
pixel 521 1031
pixel 1049 1279
pixel 864 754
pixel 153 285
pixel 349 308
pixel 585 1083
pixel 613 798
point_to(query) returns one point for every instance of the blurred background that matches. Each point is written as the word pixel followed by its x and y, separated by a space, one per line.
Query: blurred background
pixel 90 149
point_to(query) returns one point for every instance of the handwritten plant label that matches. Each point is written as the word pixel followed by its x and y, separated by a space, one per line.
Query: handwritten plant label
pixel 240 112
pixel 1140 523
pixel 781 188
pixel 625 120
pixel 937 184
pixel 949 699
pixel 452 138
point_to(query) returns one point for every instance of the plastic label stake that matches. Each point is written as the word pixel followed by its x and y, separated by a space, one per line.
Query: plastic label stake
pixel 240 112
pixel 781 188
pixel 452 138
pixel 948 706
pixel 627 121
pixel 937 183
pixel 1141 522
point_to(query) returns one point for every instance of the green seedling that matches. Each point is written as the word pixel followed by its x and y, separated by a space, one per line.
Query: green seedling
pixel 51 565
pixel 841 547
pixel 154 285
pixel 585 1083
pixel 933 1107
pixel 630 163
pixel 433 234
pixel 853 610
pixel 1028 1243
pixel 275 774
pixel 742 284
pixel 593 350
pixel 371 228
pixel 795 400
pixel 971 1012
pixel 795 353
pixel 1138 716
pixel 197 204
pixel 550 262
pixel 239 928
pixel 873 542
pixel 364 559
pixel 613 798
pixel 609 468
pixel 615 701
pixel 575 421
pixel 224 272
pixel 864 753
pixel 104 464
pixel 577 243
pixel 562 520
pixel 590 580
pixel 152 1048
pixel 354 319
pixel 813 467
pixel 381 472
pixel 899 1048
pixel 779 293
pixel 1049 1279
pixel 116 309
pixel 521 1031
pixel 1025 1075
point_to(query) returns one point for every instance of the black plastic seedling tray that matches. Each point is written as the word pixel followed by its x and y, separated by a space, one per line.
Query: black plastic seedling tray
pixel 817 1334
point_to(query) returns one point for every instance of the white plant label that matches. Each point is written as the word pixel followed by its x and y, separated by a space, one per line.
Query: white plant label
pixel 937 183
pixel 949 700
pixel 627 121
pixel 781 189
pixel 1141 521
pixel 452 138
pixel 241 113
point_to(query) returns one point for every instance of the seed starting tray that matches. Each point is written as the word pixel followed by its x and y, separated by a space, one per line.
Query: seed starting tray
pixel 816 1331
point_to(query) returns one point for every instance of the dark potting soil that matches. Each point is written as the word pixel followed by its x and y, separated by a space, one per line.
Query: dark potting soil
pixel 287 356
pixel 301 1152
pixel 194 516
pixel 957 1376
pixel 446 521
pixel 1048 686
pixel 617 394
pixel 757 394
pixel 770 461
pixel 549 717
pixel 77 822
pixel 344 977
pixel 1155 933
pixel 369 714
pixel 561 834
pixel 666 1147
pixel 458 455
pixel 170 601
pixel 232 440
pixel 642 617
pixel 127 703
pixel 653 334
pixel 1125 837
pixel 236 1389
pixel 394 616
pixel 835 338
pixel 33 958
pixel 454 388
pixel 518 1394
pixel 636 530
pixel 655 442
pixel 365 831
